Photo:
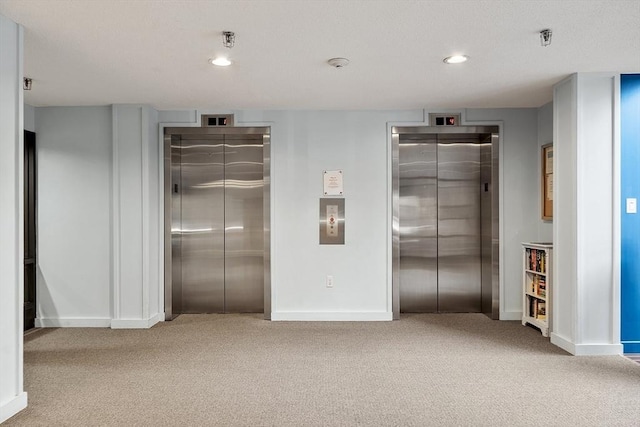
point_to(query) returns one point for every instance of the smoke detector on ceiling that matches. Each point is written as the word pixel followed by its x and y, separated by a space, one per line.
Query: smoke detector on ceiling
pixel 338 62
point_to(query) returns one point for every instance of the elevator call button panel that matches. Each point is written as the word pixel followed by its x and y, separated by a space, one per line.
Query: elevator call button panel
pixel 331 221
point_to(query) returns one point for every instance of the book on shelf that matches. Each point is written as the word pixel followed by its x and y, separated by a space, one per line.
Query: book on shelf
pixel 533 307
pixel 542 287
pixel 541 313
pixel 536 260
pixel 533 263
pixel 535 284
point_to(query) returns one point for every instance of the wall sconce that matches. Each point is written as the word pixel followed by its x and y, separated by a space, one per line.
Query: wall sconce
pixel 545 37
pixel 27 83
pixel 228 39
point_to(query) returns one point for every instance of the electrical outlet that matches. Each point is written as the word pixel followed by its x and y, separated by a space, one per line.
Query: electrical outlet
pixel 329 281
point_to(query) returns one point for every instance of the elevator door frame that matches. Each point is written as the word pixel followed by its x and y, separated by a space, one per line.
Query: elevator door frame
pixel 494 310
pixel 170 132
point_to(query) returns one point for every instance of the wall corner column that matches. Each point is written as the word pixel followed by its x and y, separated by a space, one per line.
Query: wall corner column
pixel 135 240
pixel 585 310
pixel 13 398
pixel 629 242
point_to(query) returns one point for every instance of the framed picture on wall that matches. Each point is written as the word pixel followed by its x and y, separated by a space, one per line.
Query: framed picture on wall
pixel 547 182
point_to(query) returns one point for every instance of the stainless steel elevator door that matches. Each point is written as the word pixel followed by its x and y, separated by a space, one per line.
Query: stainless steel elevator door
pixel 439 222
pixel 459 236
pixel 221 256
pixel 203 223
pixel 418 224
pixel 244 226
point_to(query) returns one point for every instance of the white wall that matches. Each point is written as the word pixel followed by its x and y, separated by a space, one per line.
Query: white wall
pixel 303 145
pixel 74 219
pixel 519 199
pixel 586 292
pixel 545 136
pixel 29 118
pixel 12 396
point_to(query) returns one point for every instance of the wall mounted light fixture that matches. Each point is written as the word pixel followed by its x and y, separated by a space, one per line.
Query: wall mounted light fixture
pixel 228 39
pixel 545 37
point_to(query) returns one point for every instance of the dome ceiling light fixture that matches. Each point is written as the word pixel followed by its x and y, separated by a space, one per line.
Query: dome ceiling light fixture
pixel 228 40
pixel 455 59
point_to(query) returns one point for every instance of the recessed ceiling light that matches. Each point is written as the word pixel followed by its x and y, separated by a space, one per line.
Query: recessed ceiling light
pixel 455 59
pixel 220 61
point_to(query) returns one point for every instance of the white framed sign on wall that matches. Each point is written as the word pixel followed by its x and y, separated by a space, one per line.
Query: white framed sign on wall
pixel 333 183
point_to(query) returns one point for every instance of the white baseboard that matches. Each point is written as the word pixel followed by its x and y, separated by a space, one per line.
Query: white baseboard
pixel 586 349
pixel 136 323
pixel 12 407
pixel 98 322
pixel 511 315
pixel 72 322
pixel 306 316
pixel 563 343
pixel 599 349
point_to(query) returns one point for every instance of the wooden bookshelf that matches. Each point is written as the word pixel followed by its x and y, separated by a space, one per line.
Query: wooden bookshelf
pixel 536 281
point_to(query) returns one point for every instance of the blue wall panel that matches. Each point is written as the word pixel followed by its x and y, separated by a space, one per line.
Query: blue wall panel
pixel 630 223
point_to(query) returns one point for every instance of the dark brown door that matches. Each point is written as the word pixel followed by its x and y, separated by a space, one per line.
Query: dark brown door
pixel 29 229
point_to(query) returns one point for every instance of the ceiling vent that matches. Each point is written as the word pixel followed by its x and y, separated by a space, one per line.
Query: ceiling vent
pixel 217 120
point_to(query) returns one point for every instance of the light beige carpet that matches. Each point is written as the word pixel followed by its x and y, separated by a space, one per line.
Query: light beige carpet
pixel 239 370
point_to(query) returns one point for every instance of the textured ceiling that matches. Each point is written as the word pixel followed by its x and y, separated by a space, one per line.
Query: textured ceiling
pixel 156 52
